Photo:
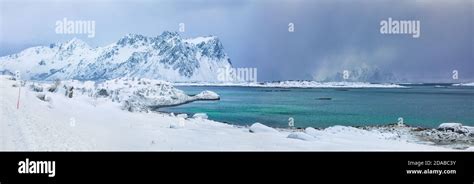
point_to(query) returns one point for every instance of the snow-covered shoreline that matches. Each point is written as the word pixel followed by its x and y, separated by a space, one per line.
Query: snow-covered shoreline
pixel 85 123
pixel 135 94
pixel 470 84
pixel 296 84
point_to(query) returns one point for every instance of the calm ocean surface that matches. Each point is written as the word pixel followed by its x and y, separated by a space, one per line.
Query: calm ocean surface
pixel 422 105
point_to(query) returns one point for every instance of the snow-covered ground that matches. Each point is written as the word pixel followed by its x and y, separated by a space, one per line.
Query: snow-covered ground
pixel 57 122
pixel 299 84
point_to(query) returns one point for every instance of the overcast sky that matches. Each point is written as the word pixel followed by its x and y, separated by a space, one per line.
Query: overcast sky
pixel 329 36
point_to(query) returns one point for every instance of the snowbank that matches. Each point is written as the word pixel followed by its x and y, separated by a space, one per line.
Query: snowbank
pixel 260 128
pixel 301 136
pixel 312 131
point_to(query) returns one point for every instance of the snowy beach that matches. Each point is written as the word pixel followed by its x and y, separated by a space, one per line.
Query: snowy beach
pixel 54 121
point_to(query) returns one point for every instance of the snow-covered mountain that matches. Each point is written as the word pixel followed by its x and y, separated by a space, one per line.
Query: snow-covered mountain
pixel 167 57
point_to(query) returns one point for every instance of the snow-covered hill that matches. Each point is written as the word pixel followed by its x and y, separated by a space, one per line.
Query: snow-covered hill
pixel 167 57
pixel 134 94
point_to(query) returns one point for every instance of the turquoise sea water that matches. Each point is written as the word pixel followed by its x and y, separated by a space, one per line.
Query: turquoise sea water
pixel 422 105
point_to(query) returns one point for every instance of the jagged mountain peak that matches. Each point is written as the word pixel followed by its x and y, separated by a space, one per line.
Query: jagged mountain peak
pixel 131 39
pixel 166 57
pixel 75 43
pixel 169 34
pixel 202 39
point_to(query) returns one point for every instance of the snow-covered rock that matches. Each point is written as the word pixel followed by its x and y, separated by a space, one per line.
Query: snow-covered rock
pixel 261 128
pixel 207 95
pixel 301 136
pixel 200 116
pixel 470 129
pixel 179 124
pixel 449 138
pixel 43 97
pixel 454 127
pixel 166 57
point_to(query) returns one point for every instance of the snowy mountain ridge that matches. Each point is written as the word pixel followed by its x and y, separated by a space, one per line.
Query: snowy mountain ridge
pixel 364 74
pixel 166 57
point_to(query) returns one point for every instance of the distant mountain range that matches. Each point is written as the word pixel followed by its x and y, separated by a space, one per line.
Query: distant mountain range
pixel 167 57
pixel 364 74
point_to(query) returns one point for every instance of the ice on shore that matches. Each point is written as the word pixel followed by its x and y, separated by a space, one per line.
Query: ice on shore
pixel 207 95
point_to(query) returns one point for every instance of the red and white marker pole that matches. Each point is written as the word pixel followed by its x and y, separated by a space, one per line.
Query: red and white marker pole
pixel 17 75
pixel 18 101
